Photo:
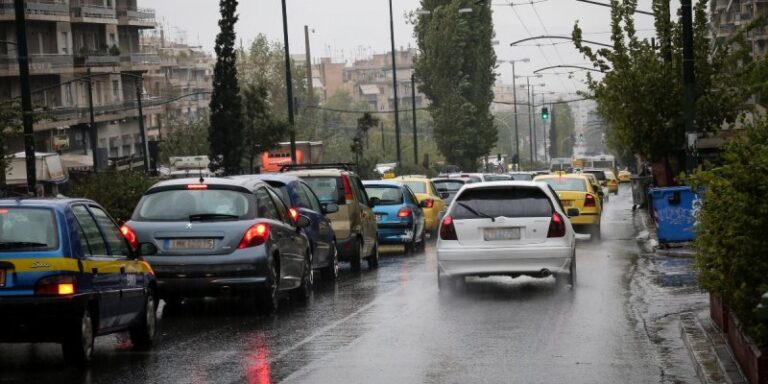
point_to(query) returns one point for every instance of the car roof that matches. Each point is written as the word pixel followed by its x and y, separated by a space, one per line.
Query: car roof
pixel 406 178
pixel 383 182
pixel 57 203
pixel 231 182
pixel 565 175
pixel 503 183
pixel 317 172
pixel 462 179
pixel 281 177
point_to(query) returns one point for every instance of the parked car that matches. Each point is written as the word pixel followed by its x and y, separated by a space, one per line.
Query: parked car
pixel 508 228
pixel 301 200
pixel 625 176
pixel 399 214
pixel 575 191
pixel 67 274
pixel 429 198
pixel 611 182
pixel 219 237
pixel 447 187
pixel 354 223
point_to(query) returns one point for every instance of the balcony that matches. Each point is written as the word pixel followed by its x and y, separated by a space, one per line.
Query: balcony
pixel 39 64
pixel 137 17
pixel 46 10
pixel 97 59
pixel 150 59
pixel 94 14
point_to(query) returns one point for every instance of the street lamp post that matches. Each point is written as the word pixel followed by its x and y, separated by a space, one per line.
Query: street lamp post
pixel 413 112
pixel 394 81
pixel 289 85
pixel 530 111
pixel 514 90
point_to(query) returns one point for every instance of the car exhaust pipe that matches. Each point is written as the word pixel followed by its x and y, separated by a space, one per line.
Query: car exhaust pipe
pixel 545 273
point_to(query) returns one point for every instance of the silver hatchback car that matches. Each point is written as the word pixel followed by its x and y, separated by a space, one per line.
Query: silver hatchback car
pixel 219 237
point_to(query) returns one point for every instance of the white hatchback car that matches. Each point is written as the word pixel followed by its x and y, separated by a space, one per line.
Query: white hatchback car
pixel 508 228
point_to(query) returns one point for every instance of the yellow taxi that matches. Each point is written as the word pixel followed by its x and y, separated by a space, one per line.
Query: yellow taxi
pixel 625 176
pixel 612 183
pixel 429 199
pixel 576 191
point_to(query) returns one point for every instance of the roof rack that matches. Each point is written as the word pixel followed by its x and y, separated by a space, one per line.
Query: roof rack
pixel 297 167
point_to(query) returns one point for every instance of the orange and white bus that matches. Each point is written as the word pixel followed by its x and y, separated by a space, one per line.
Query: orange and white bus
pixel 307 152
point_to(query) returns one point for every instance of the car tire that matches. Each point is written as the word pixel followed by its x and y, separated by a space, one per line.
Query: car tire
pixel 450 284
pixel 595 232
pixel 304 291
pixel 269 298
pixel 144 333
pixel 423 243
pixel 410 248
pixel 331 271
pixel 77 347
pixel 373 259
pixel 357 257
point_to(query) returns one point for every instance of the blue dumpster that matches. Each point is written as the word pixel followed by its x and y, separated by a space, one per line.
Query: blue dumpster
pixel 673 209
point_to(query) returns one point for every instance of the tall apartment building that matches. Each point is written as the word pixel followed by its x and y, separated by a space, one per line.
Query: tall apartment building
pixel 727 16
pixel 66 39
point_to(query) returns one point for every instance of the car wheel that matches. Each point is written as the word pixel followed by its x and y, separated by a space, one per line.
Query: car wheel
pixel 357 257
pixel 572 274
pixel 595 232
pixel 144 333
pixel 78 346
pixel 331 271
pixel 410 248
pixel 269 299
pixel 304 291
pixel 373 259
pixel 423 242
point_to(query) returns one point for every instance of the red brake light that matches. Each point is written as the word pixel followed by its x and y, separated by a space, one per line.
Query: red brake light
pixel 61 285
pixel 348 196
pixel 130 235
pixel 447 230
pixel 404 212
pixel 197 186
pixel 556 226
pixel 294 214
pixel 255 235
pixel 589 201
pixel 429 203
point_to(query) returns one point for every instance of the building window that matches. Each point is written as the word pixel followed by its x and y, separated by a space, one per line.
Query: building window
pixel 115 90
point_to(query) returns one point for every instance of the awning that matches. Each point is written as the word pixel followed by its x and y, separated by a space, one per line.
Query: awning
pixel 369 89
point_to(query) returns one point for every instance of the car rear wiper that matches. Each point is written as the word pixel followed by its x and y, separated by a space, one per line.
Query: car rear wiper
pixel 212 216
pixel 21 244
pixel 477 213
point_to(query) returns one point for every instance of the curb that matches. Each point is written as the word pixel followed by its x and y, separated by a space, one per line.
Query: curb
pixel 709 353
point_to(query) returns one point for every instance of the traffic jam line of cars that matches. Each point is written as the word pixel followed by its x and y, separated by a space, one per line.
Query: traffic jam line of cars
pixel 69 273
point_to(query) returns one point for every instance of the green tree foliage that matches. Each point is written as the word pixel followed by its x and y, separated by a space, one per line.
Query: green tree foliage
pixel 119 202
pixel 185 138
pixel 562 131
pixel 261 131
pixel 732 223
pixel 226 112
pixel 10 126
pixel 640 96
pixel 457 73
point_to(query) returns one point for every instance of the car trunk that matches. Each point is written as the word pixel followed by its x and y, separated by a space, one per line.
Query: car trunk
pixel 191 238
pixel 502 232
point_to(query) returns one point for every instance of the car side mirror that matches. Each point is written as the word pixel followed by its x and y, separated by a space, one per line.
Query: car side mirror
pixel 147 249
pixel 573 212
pixel 330 208
pixel 445 195
pixel 373 201
pixel 303 222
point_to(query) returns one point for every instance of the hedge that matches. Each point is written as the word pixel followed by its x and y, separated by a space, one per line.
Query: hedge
pixel 118 192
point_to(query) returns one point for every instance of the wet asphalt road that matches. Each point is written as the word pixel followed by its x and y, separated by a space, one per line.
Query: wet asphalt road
pixel 391 326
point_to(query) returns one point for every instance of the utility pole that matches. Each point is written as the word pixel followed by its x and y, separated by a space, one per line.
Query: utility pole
pixel 534 143
pixel 413 108
pixel 517 136
pixel 689 82
pixel 383 144
pixel 530 117
pixel 144 145
pixel 394 81
pixel 26 97
pixel 310 85
pixel 289 85
pixel 94 135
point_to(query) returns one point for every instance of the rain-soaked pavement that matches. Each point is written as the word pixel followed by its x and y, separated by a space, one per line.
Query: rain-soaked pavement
pixel 391 326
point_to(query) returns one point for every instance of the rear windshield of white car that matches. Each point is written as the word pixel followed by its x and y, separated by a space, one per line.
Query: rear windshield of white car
pixel 449 185
pixel 566 184
pixel 503 201
pixel 204 204
pixel 27 229
pixel 417 186
pixel 387 195
pixel 328 189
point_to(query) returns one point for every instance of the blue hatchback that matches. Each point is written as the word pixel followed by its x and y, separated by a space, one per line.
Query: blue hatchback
pixel 399 216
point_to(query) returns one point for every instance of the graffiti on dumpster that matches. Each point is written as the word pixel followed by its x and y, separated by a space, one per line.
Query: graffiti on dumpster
pixel 675 216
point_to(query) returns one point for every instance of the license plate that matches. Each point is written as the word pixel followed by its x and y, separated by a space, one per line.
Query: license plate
pixel 191 244
pixel 495 234
pixel 2 277
pixel 567 203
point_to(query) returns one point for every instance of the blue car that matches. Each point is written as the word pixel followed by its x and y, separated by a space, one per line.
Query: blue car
pixel 301 199
pixel 399 216
pixel 68 273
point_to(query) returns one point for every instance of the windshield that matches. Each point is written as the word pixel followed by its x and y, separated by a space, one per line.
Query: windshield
pixel 23 229
pixel 449 185
pixel 566 184
pixel 599 174
pixel 497 177
pixel 181 204
pixel 522 177
pixel 506 202
pixel 327 189
pixel 417 186
pixel 387 195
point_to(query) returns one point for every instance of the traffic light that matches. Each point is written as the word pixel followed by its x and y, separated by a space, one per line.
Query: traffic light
pixel 545 113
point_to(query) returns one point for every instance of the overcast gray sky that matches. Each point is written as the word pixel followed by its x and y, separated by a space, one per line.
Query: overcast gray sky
pixel 353 28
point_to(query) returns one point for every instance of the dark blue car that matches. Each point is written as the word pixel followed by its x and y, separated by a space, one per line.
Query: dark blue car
pixel 301 200
pixel 399 216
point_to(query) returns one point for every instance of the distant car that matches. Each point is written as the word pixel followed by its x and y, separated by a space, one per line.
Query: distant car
pixel 522 176
pixel 575 191
pixel 625 176
pixel 612 183
pixel 429 198
pixel 508 228
pixel 222 237
pixel 599 174
pixel 399 214
pixel 496 177
pixel 67 274
pixel 447 187
pixel 300 199
pixel 476 177
pixel 354 223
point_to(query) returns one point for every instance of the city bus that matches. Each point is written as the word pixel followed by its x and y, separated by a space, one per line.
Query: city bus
pixel 307 152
